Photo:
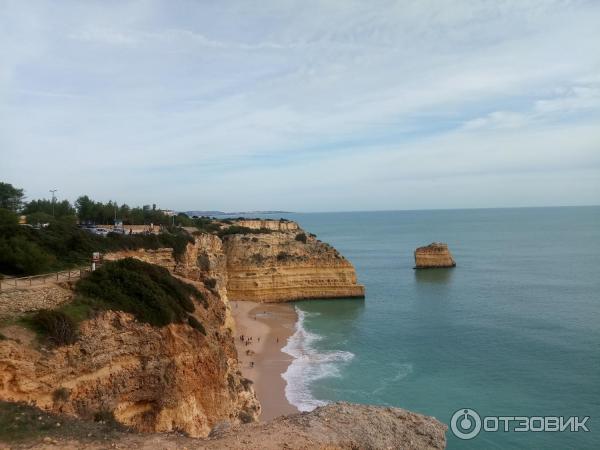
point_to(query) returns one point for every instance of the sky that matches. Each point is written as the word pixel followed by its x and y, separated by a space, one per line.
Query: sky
pixel 328 105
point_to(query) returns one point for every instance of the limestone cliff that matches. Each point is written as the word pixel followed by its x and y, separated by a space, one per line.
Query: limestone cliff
pixel 152 379
pixel 434 255
pixel 175 377
pixel 283 264
pixel 276 267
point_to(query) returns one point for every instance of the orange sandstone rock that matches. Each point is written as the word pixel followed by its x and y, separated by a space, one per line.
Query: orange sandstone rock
pixel 435 255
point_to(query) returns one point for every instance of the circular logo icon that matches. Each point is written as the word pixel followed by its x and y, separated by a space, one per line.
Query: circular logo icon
pixel 465 423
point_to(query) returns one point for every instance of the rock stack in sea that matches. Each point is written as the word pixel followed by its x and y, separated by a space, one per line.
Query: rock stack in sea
pixel 434 255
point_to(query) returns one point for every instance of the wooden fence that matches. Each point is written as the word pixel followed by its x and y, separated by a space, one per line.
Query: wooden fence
pixel 7 284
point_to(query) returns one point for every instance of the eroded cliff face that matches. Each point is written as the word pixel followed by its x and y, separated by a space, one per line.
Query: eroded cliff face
pixel 276 267
pixel 152 379
pixel 176 377
pixel 434 255
pixel 262 267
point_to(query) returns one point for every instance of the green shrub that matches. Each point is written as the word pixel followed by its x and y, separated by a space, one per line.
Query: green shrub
pixel 8 218
pixel 28 251
pixel 58 328
pixel 147 291
pixel 195 323
pixel 301 237
pixel 105 416
pixel 283 256
pixel 236 229
pixel 61 394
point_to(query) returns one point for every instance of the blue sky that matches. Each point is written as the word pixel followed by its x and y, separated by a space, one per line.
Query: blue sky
pixel 303 105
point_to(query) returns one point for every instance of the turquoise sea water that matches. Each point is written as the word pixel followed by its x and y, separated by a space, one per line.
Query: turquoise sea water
pixel 513 330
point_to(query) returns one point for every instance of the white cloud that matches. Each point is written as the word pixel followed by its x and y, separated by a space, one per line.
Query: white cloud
pixel 152 92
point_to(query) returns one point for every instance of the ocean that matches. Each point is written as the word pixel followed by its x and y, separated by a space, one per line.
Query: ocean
pixel 513 330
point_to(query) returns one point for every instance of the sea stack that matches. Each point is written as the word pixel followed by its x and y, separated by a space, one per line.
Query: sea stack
pixel 434 255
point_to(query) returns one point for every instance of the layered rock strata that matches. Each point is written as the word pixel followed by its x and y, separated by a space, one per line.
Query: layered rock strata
pixel 277 267
pixel 434 255
pixel 173 378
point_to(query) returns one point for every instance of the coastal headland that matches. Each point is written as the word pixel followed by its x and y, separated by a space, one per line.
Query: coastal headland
pixel 218 363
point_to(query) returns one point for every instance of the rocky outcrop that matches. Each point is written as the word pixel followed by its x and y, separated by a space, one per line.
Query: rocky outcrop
pixel 266 224
pixel 161 256
pixel 435 255
pixel 338 426
pixel 278 266
pixel 333 427
pixel 152 379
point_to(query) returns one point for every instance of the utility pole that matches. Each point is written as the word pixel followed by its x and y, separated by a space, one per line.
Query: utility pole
pixel 53 199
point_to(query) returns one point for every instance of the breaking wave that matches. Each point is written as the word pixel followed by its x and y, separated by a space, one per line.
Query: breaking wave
pixel 309 365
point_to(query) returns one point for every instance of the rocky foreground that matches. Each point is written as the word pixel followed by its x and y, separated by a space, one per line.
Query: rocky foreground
pixel 335 426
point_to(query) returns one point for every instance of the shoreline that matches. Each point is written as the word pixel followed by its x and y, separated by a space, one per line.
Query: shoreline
pixel 263 361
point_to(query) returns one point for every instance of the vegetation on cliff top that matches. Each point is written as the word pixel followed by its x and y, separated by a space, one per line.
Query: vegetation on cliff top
pixel 147 291
pixel 29 251
pixel 237 229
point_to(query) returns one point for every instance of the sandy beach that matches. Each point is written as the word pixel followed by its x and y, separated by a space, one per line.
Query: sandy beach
pixel 262 361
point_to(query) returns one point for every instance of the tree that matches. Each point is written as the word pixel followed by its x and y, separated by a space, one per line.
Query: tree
pixel 60 209
pixel 11 198
pixel 85 208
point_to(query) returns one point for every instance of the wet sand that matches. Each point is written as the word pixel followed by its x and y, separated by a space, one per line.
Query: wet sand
pixel 273 323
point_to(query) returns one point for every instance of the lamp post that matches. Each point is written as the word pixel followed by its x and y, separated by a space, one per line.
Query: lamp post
pixel 53 199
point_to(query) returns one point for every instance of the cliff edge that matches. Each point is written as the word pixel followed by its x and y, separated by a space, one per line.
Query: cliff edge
pixel 335 426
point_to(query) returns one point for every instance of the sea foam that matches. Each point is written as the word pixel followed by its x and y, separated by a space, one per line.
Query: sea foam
pixel 309 365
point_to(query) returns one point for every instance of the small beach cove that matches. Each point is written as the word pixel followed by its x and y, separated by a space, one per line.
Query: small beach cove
pixel 265 329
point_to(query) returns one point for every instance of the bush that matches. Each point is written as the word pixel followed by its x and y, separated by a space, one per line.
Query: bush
pixel 236 229
pixel 20 256
pixel 147 291
pixel 8 218
pixel 105 416
pixel 2 337
pixel 56 326
pixel 61 395
pixel 210 283
pixel 27 251
pixel 301 237
pixel 283 256
pixel 195 323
